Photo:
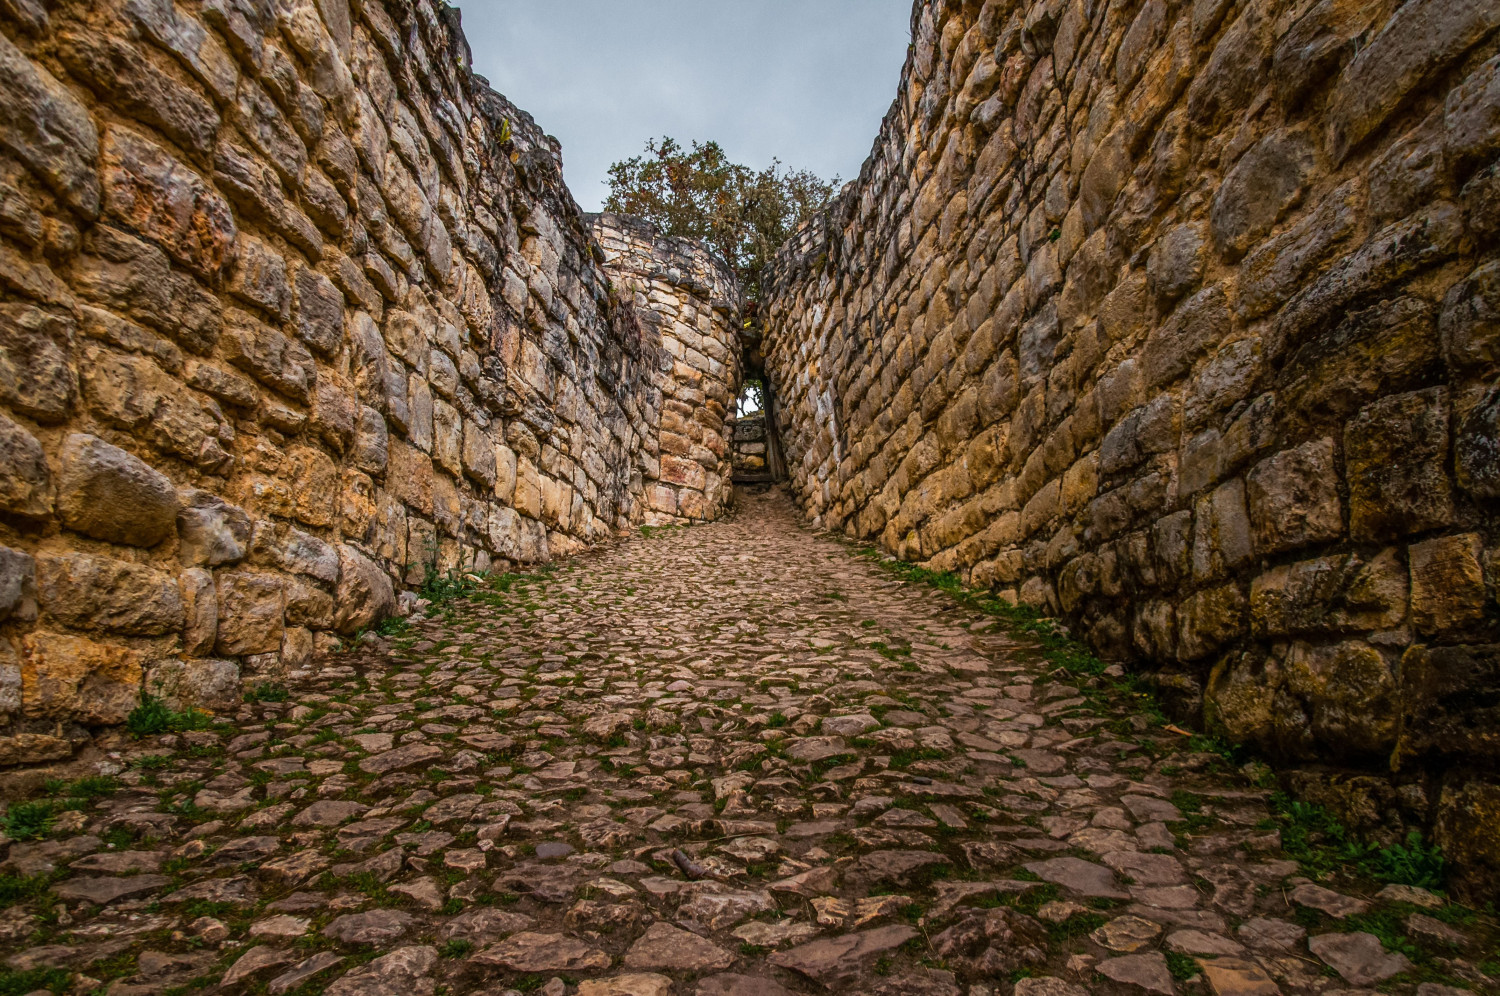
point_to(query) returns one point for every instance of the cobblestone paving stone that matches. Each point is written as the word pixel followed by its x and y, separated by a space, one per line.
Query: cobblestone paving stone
pixel 733 760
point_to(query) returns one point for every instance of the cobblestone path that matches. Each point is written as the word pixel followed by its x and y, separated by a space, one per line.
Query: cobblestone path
pixel 726 761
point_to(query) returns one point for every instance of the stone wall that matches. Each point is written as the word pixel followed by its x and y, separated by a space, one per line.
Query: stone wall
pixel 689 301
pixel 1181 320
pixel 293 309
pixel 749 449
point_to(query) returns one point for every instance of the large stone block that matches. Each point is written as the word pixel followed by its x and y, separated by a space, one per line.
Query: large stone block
pixel 1477 448
pixel 1267 180
pixel 1221 532
pixel 1196 328
pixel 1468 831
pixel 1470 320
pixel 204 683
pixel 1395 456
pixel 200 603
pixel 210 530
pixel 17 585
pixel 85 592
pixel 1450 704
pixel 1210 620
pixel 46 127
pixel 112 495
pixel 1422 39
pixel 25 481
pixel 163 200
pixel 36 379
pixel 251 613
pixel 1346 593
pixel 1350 694
pixel 1447 584
pixel 270 357
pixel 71 677
pixel 364 594
pixel 1294 498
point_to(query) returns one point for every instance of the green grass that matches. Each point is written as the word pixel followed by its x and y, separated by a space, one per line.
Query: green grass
pixel 28 820
pixel 1316 839
pixel 153 715
pixel 15 889
pixel 266 691
pixel 21 983
pixel 458 947
pixel 1182 967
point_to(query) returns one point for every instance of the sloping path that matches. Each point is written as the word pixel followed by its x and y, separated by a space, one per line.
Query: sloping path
pixel 733 760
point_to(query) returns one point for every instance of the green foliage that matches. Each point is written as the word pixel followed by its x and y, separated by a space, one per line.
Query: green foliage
pixel 153 715
pixel 392 626
pixel 266 691
pixel 1182 967
pixel 15 889
pixel 20 983
pixel 1319 842
pixel 444 587
pixel 698 193
pixel 28 820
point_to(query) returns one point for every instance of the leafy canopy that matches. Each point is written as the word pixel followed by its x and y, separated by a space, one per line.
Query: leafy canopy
pixel 699 194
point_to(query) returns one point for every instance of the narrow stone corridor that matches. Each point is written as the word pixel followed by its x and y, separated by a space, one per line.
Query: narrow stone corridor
pixel 729 760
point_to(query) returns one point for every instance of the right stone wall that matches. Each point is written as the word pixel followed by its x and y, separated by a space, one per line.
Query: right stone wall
pixel 1181 320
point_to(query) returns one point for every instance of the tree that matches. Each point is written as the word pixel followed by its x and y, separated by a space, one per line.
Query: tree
pixel 699 194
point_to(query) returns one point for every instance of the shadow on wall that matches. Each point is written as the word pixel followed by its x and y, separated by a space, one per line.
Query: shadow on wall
pixel 1180 321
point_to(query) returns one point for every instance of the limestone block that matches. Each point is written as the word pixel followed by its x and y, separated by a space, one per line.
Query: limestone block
pixel 1470 120
pixel 17 585
pixel 1468 830
pixel 204 683
pixel 1477 448
pixel 1267 180
pixel 1176 264
pixel 334 413
pixel 1422 39
pixel 251 608
pixel 86 592
pixel 371 441
pixel 36 379
pixel 314 479
pixel 200 603
pixel 45 126
pixel 1294 500
pixel 1447 700
pixel 25 482
pixel 1350 693
pixel 479 456
pixel 132 392
pixel 1239 699
pixel 1211 619
pixel 109 494
pixel 259 277
pixel 1342 594
pixel 210 531
pixel 73 677
pixel 1221 532
pixel 1470 321
pixel 410 476
pixel 1198 326
pixel 280 363
pixel 1447 584
pixel 297 646
pixel 308 606
pixel 319 312
pixel 294 551
pixel 447 437
pixel 420 413
pixel 166 202
pixel 1395 455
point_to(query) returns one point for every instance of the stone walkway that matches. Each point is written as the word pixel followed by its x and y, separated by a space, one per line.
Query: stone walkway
pixel 725 761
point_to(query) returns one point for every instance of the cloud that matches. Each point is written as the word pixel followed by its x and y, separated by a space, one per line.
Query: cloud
pixel 803 81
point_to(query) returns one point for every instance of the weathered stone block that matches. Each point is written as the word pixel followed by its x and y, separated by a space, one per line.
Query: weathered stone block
pixel 162 199
pixel 270 357
pixel 1448 703
pixel 1211 619
pixel 87 592
pixel 1447 584
pixel 210 530
pixel 1340 594
pixel 251 610
pixel 45 126
pixel 1470 320
pixel 25 481
pixel 69 677
pixel 36 379
pixel 112 495
pixel 364 595
pixel 208 684
pixel 17 585
pixel 1221 532
pixel 1477 448
pixel 1267 181
pixel 258 277
pixel 1422 39
pixel 1468 831
pixel 1350 695
pixel 200 603
pixel 1294 499
pixel 1395 456
pixel 1197 327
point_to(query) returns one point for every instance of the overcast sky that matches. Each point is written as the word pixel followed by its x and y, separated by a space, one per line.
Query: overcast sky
pixel 804 81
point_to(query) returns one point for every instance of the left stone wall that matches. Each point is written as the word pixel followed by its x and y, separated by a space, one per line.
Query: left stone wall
pixel 293 310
